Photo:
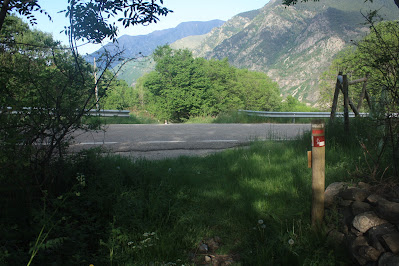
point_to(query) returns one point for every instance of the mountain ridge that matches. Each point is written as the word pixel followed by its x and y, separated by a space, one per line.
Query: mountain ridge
pixel 132 46
pixel 293 45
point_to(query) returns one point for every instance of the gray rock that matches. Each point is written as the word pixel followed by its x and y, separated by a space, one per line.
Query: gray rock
pixel 388 210
pixel 375 234
pixel 208 259
pixel 203 248
pixel 212 244
pixel 356 194
pixel 367 220
pixel 392 241
pixel 374 198
pixel 359 207
pixel 388 259
pixel 369 253
pixel 345 203
pixel 357 244
pixel 332 191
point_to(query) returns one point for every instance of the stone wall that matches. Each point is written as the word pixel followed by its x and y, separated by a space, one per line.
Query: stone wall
pixel 366 220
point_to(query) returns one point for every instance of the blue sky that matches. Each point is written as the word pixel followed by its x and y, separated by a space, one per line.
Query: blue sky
pixel 184 10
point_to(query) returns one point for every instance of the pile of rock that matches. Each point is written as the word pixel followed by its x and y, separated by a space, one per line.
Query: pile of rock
pixel 205 254
pixel 367 221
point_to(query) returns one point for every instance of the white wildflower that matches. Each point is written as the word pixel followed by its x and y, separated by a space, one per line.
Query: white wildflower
pixel 291 241
pixel 260 221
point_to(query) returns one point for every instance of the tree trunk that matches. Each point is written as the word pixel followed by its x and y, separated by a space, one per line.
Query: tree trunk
pixel 3 12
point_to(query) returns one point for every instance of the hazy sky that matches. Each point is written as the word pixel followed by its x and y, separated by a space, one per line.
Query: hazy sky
pixel 184 10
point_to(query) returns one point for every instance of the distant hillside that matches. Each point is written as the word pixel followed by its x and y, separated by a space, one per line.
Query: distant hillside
pixel 294 45
pixel 145 44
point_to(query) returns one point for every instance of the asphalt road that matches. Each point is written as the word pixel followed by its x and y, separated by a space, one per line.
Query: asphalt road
pixel 173 140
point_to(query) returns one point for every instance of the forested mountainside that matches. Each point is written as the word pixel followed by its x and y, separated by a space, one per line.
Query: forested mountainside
pixel 293 45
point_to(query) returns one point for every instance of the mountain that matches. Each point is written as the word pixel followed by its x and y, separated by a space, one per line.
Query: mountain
pixel 132 46
pixel 293 45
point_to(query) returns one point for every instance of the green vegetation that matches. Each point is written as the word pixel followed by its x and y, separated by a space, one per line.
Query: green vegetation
pixel 109 210
pixel 182 87
pixel 375 56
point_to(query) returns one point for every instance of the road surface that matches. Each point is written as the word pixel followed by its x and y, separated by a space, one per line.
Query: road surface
pixel 173 140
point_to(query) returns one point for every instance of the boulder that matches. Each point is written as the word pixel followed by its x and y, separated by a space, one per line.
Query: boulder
pixel 359 207
pixel 375 234
pixel 355 194
pixel 388 259
pixel 388 210
pixel 374 198
pixel 392 241
pixel 363 222
pixel 332 191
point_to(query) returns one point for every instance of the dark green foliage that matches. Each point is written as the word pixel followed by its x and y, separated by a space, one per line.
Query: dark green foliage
pixel 115 93
pixel 113 211
pixel 84 16
pixel 376 56
pixel 48 91
pixel 182 87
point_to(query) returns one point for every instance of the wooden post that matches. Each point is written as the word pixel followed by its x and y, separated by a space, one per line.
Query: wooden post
pixel 354 109
pixel 95 81
pixel 318 172
pixel 346 103
pixel 335 100
pixel 362 94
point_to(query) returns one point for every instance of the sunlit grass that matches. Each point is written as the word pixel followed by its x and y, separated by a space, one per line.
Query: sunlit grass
pixel 257 200
pixel 187 200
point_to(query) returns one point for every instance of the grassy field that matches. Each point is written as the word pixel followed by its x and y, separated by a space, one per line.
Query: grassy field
pixel 255 201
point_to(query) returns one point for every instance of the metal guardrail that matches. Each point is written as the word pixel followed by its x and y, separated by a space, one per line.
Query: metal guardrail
pixel 106 113
pixel 110 113
pixel 297 114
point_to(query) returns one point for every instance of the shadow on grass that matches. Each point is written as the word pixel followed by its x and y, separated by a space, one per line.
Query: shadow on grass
pixel 256 200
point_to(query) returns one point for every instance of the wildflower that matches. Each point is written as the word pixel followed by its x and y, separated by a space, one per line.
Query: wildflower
pixel 129 243
pixel 260 221
pixel 263 226
pixel 291 241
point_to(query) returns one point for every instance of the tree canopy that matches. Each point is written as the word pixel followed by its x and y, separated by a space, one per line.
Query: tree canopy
pixel 89 20
pixel 183 86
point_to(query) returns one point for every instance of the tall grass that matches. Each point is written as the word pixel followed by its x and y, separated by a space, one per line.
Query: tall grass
pixel 134 118
pixel 256 200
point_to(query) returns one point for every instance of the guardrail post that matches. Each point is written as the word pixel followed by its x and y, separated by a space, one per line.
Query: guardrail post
pixel 318 172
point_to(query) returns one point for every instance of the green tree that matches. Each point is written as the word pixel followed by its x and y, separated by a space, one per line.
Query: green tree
pixel 258 91
pixel 182 86
pixel 115 93
pixel 56 87
pixel 376 56
pixel 85 16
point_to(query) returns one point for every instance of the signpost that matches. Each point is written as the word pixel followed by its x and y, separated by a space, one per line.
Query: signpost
pixel 318 172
